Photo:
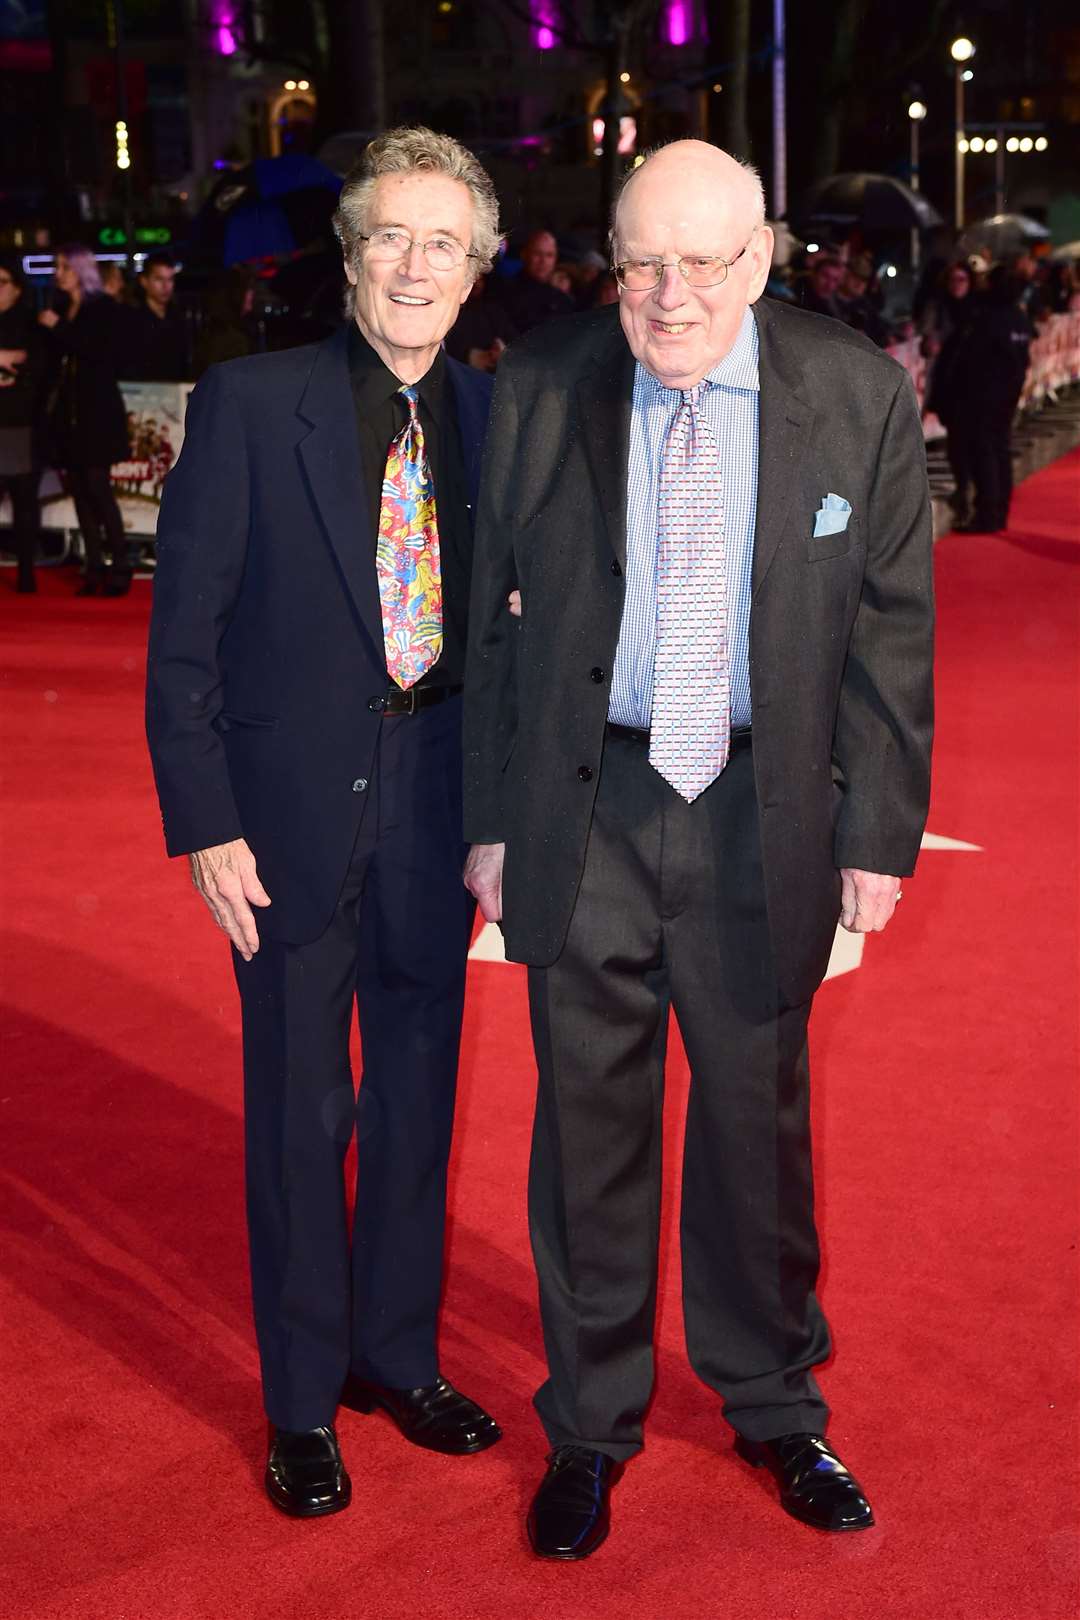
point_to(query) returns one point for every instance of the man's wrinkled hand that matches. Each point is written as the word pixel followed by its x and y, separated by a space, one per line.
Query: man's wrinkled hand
pixel 483 878
pixel 226 878
pixel 867 899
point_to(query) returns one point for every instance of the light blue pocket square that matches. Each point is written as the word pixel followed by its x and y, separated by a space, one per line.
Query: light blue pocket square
pixel 832 517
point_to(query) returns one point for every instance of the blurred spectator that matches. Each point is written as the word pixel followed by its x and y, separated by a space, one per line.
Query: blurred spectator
pixel 157 334
pixel 564 278
pixel 975 390
pixel 819 290
pixel 86 418
pixel 1023 271
pixel 226 332
pixel 945 306
pixel 855 299
pixel 1062 289
pixel 606 290
pixel 481 331
pixel 979 265
pixel 591 267
pixel 779 284
pixel 114 282
pixel 529 297
pixel 22 356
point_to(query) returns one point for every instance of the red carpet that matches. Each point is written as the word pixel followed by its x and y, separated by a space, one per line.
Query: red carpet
pixel 945 1100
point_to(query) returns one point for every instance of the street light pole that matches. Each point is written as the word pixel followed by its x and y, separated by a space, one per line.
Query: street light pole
pixel 916 113
pixel 779 113
pixel 961 50
pixel 999 174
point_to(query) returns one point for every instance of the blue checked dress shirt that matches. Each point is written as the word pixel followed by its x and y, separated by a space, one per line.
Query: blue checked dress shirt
pixel 731 405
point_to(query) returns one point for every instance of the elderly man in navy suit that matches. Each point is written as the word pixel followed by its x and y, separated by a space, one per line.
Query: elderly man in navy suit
pixel 304 715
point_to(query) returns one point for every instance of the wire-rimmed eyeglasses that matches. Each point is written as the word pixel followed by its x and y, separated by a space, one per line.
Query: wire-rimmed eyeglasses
pixel 697 269
pixel 389 244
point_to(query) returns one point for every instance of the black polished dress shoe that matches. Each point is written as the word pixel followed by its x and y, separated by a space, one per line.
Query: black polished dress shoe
pixel 117 584
pixel 814 1484
pixel 305 1475
pixel 91 586
pixel 571 1514
pixel 437 1417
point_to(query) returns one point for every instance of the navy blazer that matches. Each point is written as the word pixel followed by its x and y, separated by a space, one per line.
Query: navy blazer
pixel 266 639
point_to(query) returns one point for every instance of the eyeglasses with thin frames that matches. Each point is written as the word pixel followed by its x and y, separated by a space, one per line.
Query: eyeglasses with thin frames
pixel 696 269
pixel 388 245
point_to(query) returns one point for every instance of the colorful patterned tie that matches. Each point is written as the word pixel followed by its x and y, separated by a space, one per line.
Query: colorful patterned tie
pixel 691 713
pixel 407 558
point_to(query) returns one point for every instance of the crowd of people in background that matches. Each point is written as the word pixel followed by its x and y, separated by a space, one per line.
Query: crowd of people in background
pixel 61 367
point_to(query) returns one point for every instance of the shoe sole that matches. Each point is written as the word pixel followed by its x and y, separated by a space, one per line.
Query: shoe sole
pixel 567 1557
pixel 828 1529
pixel 294 1512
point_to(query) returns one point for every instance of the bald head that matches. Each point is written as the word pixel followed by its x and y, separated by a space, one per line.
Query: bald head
pixel 691 200
pixel 698 164
pixel 539 255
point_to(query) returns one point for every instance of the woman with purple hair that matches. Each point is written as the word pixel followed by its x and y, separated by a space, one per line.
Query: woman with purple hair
pixel 87 419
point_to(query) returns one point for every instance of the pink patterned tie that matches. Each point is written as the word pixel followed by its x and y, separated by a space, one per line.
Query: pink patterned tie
pixel 407 557
pixel 691 713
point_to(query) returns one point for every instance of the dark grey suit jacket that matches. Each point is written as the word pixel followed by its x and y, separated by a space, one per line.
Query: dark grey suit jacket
pixel 840 630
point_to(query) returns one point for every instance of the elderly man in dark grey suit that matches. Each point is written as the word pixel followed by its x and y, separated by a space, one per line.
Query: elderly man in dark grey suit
pixel 705 737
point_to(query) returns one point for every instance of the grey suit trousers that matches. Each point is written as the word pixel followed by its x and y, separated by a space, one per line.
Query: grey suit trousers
pixel 671 913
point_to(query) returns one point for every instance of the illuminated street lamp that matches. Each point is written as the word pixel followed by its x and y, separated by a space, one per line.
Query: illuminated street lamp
pixel 961 50
pixel 916 113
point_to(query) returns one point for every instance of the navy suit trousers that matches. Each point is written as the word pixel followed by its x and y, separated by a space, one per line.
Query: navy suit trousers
pixel 397 943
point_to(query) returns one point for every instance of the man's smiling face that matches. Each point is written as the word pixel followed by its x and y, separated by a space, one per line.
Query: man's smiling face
pixel 403 307
pixel 690 198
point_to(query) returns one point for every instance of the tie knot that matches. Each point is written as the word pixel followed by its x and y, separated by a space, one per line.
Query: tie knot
pixel 411 397
pixel 692 396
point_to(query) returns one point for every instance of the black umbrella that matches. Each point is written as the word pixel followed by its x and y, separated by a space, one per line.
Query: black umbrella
pixel 1001 235
pixel 876 202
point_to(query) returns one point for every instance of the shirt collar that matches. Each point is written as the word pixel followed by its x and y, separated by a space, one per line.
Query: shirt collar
pixel 738 368
pixel 374 383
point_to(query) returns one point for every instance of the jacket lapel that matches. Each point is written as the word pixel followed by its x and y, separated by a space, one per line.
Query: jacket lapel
pixel 605 395
pixel 330 454
pixel 786 418
pixel 472 394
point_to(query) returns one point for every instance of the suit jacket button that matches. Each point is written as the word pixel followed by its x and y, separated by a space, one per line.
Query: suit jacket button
pixel 584 773
pixel 376 704
pixel 615 569
pixel 596 675
pixel 360 784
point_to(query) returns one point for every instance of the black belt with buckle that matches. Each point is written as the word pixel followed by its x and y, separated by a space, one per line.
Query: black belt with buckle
pixel 739 738
pixel 416 697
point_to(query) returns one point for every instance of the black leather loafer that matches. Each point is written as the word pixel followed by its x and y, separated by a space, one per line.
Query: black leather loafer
pixel 305 1475
pixel 814 1484
pixel 436 1417
pixel 571 1514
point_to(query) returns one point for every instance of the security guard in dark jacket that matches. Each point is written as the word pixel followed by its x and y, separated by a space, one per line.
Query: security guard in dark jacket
pixel 977 385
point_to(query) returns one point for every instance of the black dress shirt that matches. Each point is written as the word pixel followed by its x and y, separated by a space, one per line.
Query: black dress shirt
pixel 381 413
pixel 155 348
